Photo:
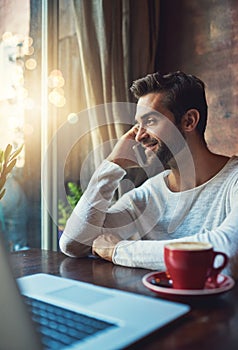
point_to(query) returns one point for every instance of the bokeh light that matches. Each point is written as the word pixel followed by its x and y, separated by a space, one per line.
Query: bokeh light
pixel 28 51
pixel 7 36
pixel 72 118
pixel 14 48
pixel 56 82
pixel 31 63
pixel 28 41
pixel 56 98
pixel 55 79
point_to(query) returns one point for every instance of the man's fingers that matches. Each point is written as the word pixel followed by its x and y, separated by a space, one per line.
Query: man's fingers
pixel 104 245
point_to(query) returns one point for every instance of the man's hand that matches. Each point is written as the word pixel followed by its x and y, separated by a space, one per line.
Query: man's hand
pixel 123 153
pixel 104 246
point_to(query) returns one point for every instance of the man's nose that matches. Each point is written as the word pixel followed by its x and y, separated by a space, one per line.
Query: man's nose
pixel 141 134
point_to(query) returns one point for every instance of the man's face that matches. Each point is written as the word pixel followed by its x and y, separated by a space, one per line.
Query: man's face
pixel 157 132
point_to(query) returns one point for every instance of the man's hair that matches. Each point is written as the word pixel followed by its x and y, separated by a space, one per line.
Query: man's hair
pixel 181 91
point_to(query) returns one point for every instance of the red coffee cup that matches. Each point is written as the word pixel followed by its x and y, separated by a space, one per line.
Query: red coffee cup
pixel 190 264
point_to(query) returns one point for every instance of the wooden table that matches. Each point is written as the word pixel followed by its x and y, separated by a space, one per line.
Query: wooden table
pixel 212 323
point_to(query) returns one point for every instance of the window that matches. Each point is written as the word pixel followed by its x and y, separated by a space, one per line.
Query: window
pixel 66 60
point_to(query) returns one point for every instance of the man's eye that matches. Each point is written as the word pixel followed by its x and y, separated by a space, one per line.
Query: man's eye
pixel 150 121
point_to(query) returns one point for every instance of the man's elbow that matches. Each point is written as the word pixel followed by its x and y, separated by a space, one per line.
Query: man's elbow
pixel 73 248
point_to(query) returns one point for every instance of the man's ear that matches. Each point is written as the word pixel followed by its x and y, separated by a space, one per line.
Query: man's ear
pixel 190 120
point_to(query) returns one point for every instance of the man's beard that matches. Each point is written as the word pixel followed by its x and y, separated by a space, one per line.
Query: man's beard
pixel 163 154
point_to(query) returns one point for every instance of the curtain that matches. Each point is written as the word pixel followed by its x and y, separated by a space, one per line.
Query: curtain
pixel 117 43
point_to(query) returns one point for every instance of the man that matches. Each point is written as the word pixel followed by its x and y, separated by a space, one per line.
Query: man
pixel 195 198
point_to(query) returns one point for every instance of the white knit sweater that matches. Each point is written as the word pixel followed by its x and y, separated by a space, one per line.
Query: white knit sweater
pixel 151 215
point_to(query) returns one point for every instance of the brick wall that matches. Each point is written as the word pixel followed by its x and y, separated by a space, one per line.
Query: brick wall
pixel 201 38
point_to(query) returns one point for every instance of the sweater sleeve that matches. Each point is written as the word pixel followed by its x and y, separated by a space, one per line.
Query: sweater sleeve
pixel 91 216
pixel 150 254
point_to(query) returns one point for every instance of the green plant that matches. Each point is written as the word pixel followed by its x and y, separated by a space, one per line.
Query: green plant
pixel 74 192
pixel 8 160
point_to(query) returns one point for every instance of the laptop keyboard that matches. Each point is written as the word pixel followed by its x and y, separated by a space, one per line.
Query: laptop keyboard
pixel 60 327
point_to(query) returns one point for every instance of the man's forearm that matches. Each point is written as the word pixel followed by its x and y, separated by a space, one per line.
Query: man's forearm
pixel 88 217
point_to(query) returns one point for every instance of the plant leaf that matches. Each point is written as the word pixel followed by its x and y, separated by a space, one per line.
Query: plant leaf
pixel 1 155
pixel 10 166
pixel 2 193
pixel 16 153
pixel 2 181
pixel 7 153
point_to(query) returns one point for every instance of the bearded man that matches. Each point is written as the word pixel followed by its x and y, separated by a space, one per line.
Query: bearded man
pixel 194 198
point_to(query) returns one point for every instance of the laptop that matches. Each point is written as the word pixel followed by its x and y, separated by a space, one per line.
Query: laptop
pixel 115 319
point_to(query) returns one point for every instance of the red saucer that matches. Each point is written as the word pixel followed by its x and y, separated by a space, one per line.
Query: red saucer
pixel 224 283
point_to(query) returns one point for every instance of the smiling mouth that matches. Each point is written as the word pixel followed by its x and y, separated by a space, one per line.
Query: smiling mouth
pixel 151 145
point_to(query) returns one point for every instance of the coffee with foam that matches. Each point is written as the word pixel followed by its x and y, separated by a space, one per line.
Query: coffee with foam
pixel 189 246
